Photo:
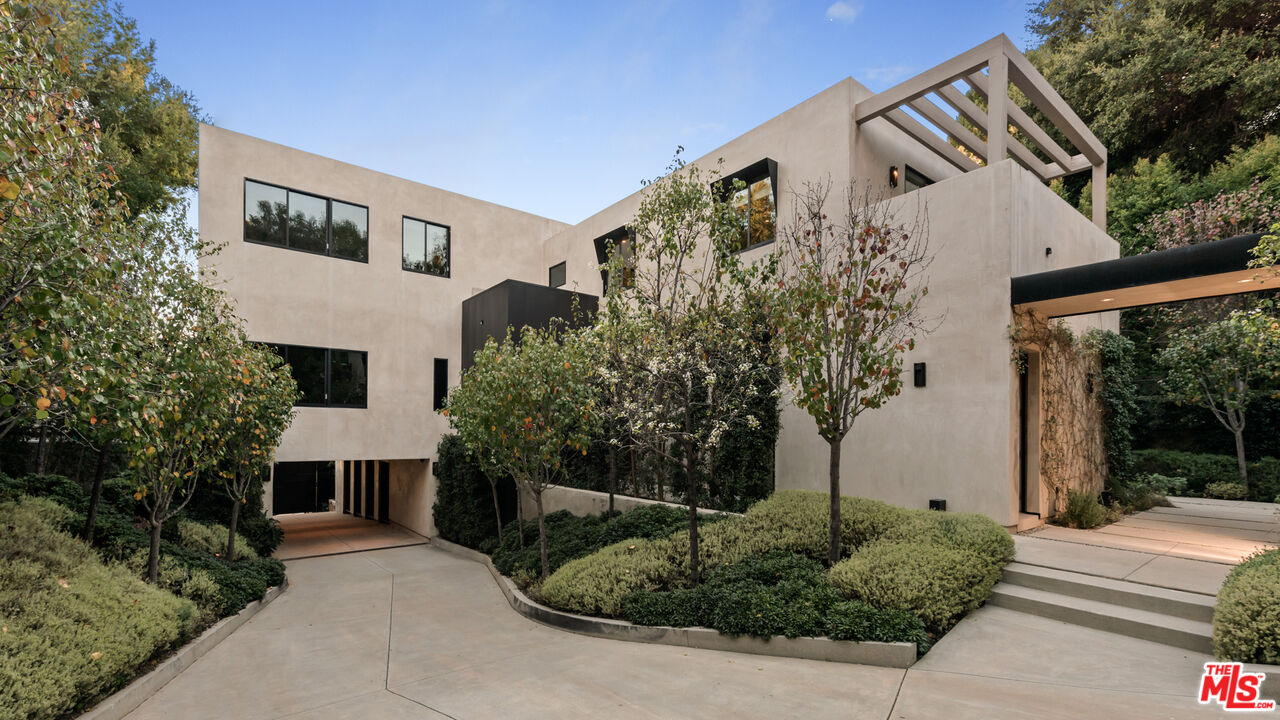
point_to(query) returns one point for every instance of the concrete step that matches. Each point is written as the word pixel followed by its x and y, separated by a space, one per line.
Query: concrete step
pixel 1188 605
pixel 1157 627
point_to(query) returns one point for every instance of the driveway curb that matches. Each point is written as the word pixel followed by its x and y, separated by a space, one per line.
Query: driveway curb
pixel 127 699
pixel 894 655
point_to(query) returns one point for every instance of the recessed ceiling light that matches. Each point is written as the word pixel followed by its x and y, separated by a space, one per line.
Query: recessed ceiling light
pixel 1107 299
pixel 1245 281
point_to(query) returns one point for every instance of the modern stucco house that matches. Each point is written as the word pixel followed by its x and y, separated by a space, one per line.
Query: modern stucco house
pixel 361 278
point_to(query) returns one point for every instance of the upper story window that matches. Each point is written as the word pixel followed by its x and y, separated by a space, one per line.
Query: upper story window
pixel 279 216
pixel 556 275
pixel 753 193
pixel 913 179
pixel 619 242
pixel 327 377
pixel 425 247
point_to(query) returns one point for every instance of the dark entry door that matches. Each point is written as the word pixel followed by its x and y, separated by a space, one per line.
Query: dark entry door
pixel 1024 436
pixel 301 487
pixel 384 491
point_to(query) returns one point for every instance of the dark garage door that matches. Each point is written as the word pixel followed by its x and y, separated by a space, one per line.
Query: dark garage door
pixel 301 487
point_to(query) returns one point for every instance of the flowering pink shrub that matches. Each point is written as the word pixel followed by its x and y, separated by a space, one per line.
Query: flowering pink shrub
pixel 1224 215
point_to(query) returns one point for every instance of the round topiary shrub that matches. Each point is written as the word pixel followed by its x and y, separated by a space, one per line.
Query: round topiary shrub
pixel 937 583
pixel 596 584
pixel 963 531
pixel 1246 620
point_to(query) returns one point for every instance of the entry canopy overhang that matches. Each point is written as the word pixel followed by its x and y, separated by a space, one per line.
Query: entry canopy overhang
pixel 1186 273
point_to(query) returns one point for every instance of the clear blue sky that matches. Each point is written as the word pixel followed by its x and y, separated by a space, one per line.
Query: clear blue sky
pixel 559 109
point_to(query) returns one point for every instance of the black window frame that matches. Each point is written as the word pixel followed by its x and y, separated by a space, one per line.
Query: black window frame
pixel 328 372
pixel 448 247
pixel 602 243
pixel 563 267
pixel 328 221
pixel 912 176
pixel 749 175
pixel 440 383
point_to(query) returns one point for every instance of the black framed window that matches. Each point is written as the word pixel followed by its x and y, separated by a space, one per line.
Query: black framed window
pixel 556 275
pixel 913 179
pixel 618 241
pixel 275 215
pixel 441 380
pixel 753 193
pixel 327 377
pixel 425 247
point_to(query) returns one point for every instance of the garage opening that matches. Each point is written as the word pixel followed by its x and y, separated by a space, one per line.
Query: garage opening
pixel 302 487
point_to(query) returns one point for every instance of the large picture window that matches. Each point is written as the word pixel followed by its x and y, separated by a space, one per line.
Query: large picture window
pixel 425 247
pixel 752 192
pixel 327 377
pixel 288 218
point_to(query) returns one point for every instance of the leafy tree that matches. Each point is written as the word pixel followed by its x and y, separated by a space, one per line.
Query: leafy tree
pixel 1224 367
pixel 183 405
pixel 1267 253
pixel 1191 78
pixel 847 311
pixel 58 239
pixel 691 359
pixel 150 126
pixel 524 403
pixel 261 408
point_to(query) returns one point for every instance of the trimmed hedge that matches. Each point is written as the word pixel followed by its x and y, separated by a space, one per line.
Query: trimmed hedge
pixel 570 537
pixel 938 583
pixel 1202 469
pixel 777 593
pixel 463 511
pixel 212 538
pixel 1246 619
pixel 937 565
pixel 74 629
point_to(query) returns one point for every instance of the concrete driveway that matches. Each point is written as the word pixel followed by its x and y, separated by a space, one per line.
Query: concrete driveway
pixel 415 632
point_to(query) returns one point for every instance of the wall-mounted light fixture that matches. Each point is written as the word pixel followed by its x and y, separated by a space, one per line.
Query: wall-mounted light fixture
pixel 1048 251
pixel 919 374
pixel 893 176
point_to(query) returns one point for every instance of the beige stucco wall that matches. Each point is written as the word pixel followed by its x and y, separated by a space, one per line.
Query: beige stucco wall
pixel 954 439
pixel 403 319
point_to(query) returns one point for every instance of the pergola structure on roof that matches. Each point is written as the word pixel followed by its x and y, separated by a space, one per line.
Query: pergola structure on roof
pixel 1004 66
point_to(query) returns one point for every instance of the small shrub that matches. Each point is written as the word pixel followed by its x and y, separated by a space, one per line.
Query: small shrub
pixel 1163 484
pixel 1226 490
pixel 1083 511
pixel 212 539
pixel 938 584
pixel 963 531
pixel 75 629
pixel 777 593
pixel 1202 469
pixel 1246 619
pixel 596 584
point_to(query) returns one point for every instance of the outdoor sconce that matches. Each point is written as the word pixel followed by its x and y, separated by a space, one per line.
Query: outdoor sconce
pixel 893 176
pixel 939 505
pixel 1048 251
pixel 919 375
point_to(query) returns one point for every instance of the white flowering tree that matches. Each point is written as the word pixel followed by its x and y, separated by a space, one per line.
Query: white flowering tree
pixel 681 325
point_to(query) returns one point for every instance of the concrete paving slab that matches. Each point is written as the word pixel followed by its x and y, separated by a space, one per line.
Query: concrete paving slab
pixel 1182 574
pixel 928 694
pixel 1153 546
pixel 329 533
pixel 383 705
pixel 1215 531
pixel 1107 562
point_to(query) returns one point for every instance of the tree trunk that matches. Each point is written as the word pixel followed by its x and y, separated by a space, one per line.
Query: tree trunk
pixel 542 536
pixel 613 474
pixel 95 495
pixel 231 530
pixel 497 510
pixel 42 449
pixel 833 548
pixel 520 514
pixel 691 494
pixel 153 560
pixel 1244 468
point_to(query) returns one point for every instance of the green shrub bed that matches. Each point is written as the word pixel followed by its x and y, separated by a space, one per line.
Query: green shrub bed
pixel 933 566
pixel 74 628
pixel 777 593
pixel 570 537
pixel 1246 619
pixel 1203 469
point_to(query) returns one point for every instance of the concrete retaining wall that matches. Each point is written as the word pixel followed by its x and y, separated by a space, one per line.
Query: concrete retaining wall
pixel 589 502
pixel 897 655
pixel 135 693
